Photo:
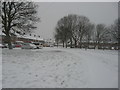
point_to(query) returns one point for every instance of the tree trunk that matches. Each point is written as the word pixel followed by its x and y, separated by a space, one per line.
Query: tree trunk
pixel 80 44
pixel 88 43
pixel 57 44
pixel 71 43
pixel 98 45
pixel 95 44
pixel 10 45
pixel 9 42
pixel 75 43
pixel 63 43
pixel 66 44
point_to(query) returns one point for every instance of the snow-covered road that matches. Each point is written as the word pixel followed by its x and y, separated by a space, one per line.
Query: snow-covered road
pixel 59 68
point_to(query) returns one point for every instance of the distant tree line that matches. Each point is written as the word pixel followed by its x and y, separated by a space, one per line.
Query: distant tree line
pixel 74 29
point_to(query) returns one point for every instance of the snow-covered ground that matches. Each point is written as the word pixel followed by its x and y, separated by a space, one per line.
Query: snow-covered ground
pixel 59 68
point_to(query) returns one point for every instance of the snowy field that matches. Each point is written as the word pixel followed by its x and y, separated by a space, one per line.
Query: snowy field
pixel 59 68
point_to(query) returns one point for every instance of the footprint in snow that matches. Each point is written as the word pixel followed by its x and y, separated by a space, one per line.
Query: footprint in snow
pixel 75 63
pixel 44 80
pixel 29 73
pixel 68 65
pixel 13 62
pixel 43 66
pixel 62 82
pixel 68 75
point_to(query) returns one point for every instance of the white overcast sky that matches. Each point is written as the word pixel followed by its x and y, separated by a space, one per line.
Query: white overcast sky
pixel 51 12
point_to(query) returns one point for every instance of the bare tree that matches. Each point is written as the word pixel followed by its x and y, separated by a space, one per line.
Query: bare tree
pixel 84 22
pixel 56 39
pixel 78 26
pixel 62 31
pixel 73 22
pixel 18 17
pixel 89 33
pixel 114 30
pixel 100 33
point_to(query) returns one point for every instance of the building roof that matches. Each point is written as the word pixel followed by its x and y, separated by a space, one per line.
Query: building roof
pixel 32 37
pixel 26 36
